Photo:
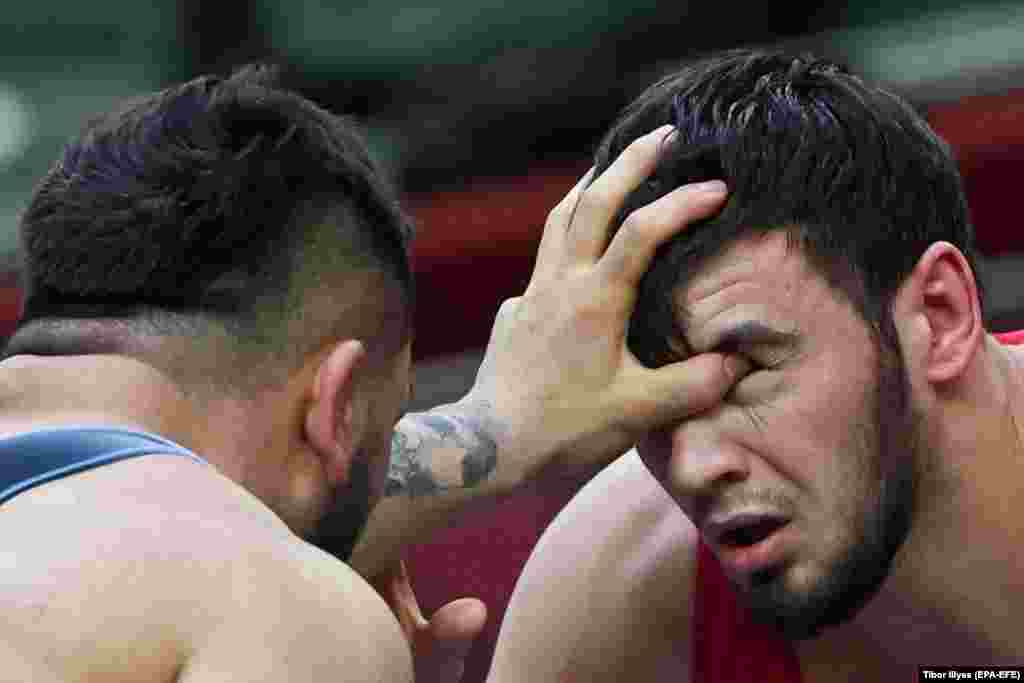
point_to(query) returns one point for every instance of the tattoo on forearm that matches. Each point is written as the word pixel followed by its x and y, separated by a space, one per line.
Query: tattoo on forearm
pixel 435 452
pixel 406 473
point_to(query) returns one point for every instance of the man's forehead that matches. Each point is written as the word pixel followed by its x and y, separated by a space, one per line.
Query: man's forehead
pixel 759 279
pixel 764 256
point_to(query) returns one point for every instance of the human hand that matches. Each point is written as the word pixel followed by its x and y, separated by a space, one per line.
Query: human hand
pixel 439 646
pixel 558 389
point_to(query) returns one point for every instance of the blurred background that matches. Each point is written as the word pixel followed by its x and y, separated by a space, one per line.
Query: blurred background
pixel 485 112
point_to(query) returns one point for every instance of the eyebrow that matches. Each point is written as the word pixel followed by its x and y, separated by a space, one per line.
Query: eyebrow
pixel 755 333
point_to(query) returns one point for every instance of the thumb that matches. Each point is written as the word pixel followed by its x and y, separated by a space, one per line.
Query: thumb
pixel 442 647
pixel 393 585
pixel 679 390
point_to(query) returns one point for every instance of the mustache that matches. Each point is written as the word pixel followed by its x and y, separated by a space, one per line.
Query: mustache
pixel 343 521
pixel 734 499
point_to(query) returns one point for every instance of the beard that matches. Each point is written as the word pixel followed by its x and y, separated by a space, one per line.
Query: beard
pixel 859 571
pixel 345 517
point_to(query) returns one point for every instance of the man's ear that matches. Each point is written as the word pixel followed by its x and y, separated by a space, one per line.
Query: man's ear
pixel 333 424
pixel 940 297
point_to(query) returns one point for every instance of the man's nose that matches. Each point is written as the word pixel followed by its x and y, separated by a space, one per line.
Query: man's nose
pixel 702 461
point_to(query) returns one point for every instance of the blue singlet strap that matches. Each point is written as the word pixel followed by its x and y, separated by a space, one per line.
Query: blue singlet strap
pixel 41 456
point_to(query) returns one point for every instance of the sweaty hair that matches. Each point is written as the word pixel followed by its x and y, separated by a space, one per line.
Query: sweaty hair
pixel 850 172
pixel 223 202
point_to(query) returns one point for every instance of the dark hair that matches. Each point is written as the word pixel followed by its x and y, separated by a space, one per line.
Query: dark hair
pixel 851 173
pixel 221 199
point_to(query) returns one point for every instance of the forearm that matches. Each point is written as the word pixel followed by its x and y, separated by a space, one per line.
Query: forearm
pixel 449 449
pixel 570 396
pixel 445 467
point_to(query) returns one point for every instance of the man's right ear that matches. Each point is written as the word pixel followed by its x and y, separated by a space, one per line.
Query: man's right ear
pixel 333 425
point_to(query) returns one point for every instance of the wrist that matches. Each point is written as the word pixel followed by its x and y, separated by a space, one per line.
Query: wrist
pixel 480 418
pixel 451 450
pixel 525 460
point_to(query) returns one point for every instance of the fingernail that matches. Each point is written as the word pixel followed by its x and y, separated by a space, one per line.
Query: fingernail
pixel 709 187
pixel 736 366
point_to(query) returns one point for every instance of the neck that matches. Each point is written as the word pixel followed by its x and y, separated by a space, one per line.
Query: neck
pixel 957 587
pixel 249 438
pixel 117 390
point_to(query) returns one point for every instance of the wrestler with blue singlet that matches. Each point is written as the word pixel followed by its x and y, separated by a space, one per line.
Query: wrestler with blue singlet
pixel 202 393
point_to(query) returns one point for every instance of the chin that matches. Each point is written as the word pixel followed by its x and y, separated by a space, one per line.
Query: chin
pixel 802 614
pixel 803 600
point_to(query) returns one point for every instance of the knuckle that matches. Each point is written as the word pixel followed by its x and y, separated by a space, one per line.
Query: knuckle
pixel 691 396
pixel 707 394
pixel 632 232
pixel 508 308
pixel 590 316
pixel 557 215
pixel 562 213
pixel 593 201
pixel 716 380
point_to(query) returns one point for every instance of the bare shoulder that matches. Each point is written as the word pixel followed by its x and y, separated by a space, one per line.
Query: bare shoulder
pixel 279 608
pixel 304 618
pixel 286 610
pixel 607 592
pixel 160 565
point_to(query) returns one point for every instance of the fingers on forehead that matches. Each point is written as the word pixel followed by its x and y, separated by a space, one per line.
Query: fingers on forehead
pixel 633 247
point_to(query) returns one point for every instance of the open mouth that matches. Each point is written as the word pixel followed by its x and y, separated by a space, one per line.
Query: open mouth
pixel 748 534
pixel 744 529
pixel 749 543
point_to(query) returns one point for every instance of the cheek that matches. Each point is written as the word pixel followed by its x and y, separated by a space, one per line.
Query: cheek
pixel 815 434
pixel 836 453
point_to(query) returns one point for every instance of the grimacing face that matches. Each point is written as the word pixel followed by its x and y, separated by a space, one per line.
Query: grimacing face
pixel 801 480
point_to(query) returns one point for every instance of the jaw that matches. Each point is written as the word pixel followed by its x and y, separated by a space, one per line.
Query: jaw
pixel 826 587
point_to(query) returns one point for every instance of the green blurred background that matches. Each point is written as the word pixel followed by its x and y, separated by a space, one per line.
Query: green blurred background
pixel 455 89
pixel 484 111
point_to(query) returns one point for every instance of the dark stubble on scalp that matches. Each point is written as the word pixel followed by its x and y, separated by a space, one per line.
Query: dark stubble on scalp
pixel 859 572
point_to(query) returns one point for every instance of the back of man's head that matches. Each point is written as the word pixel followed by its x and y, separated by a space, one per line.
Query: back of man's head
pixel 216 207
pixel 852 173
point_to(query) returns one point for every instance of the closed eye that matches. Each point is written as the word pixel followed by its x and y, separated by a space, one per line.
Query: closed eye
pixel 755 364
pixel 743 350
pixel 758 343
pixel 761 356
pixel 761 384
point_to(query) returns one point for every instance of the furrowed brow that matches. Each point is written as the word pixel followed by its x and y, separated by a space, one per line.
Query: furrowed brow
pixel 755 333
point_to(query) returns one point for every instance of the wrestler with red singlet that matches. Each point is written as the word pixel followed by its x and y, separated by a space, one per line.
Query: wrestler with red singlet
pixel 849 511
